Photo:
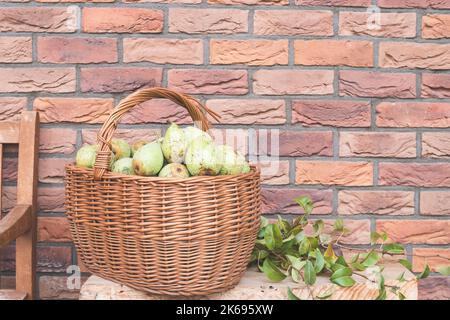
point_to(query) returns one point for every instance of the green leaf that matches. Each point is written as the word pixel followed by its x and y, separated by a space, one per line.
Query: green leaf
pixel 296 263
pixel 355 258
pixel 370 259
pixel 381 294
pixel 374 236
pixel 444 270
pixel 339 224
pixel 341 260
pixel 393 248
pixel 346 281
pixel 271 271
pixel 306 203
pixel 313 243
pixel 264 222
pixel 273 237
pixel 320 261
pixel 406 264
pixel 342 272
pixel 358 266
pixel 284 225
pixel 425 273
pixel 304 246
pixel 326 294
pixel 295 275
pixel 291 295
pixel 309 273
pixel 401 296
pixel 329 253
pixel 401 278
pixel 318 226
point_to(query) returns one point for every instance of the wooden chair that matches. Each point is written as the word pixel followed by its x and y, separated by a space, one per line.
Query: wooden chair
pixel 20 223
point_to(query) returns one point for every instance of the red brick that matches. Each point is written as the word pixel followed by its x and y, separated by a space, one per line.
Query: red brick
pixel 415 174
pixel 274 172
pixel 15 49
pixel 57 140
pixel 434 288
pixel 245 111
pixel 293 22
pixel 38 19
pixel 53 229
pixel 334 173
pixel 200 20
pixel 53 259
pixel 250 2
pixel 157 111
pixel 435 258
pixel 436 26
pixel 435 85
pixel 54 80
pixel 333 53
pixel 122 20
pixel 377 84
pixel 376 202
pixel 334 3
pixel 378 144
pixel 391 24
pixel 51 199
pixel 283 82
pixel 11 107
pixel 55 287
pixel 306 143
pixel 163 50
pixel 415 55
pixel 435 4
pixel 131 135
pixel 76 50
pixel 9 198
pixel 413 114
pixel 416 231
pixel 435 203
pixel 208 81
pixel 250 52
pixel 279 201
pixel 331 113
pixel 119 79
pixel 51 170
pixel 9 169
pixel 75 110
pixel 436 145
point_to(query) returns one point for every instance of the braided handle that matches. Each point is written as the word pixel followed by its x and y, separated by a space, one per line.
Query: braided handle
pixel 195 108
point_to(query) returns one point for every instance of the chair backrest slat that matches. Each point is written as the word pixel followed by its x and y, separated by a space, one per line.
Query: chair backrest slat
pixel 26 133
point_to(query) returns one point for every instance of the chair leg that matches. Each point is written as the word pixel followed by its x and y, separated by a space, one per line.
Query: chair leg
pixel 26 263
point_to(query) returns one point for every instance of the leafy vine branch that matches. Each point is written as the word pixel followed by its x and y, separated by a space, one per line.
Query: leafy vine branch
pixel 285 248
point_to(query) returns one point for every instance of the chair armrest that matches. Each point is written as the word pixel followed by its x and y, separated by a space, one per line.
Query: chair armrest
pixel 17 222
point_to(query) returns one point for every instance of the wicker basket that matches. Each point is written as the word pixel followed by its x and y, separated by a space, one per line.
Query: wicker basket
pixel 184 237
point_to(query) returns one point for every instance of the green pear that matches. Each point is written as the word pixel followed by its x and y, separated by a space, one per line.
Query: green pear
pixel 192 133
pixel 124 165
pixel 174 144
pixel 202 159
pixel 232 162
pixel 148 160
pixel 174 170
pixel 86 156
pixel 136 145
pixel 120 148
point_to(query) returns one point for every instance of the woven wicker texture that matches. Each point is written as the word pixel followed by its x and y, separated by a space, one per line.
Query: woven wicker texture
pixel 184 237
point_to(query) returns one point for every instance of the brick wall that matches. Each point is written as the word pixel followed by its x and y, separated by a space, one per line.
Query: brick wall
pixel 364 113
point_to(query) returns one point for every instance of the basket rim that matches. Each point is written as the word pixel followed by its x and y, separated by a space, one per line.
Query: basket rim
pixel 255 171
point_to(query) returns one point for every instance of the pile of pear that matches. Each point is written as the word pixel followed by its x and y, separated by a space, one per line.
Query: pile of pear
pixel 181 153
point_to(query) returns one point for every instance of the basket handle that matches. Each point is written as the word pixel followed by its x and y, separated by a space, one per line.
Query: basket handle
pixel 195 108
